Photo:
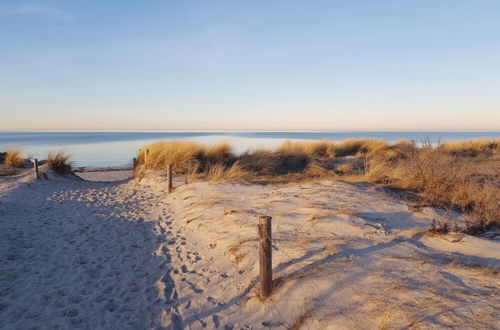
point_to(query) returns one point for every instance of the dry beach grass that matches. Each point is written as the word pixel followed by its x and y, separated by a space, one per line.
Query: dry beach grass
pixel 59 162
pixel 13 158
pixel 461 176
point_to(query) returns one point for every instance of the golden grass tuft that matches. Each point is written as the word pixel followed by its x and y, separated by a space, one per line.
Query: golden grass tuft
pixel 183 155
pixel 350 167
pixel 260 161
pixel 59 162
pixel 13 158
pixel 218 154
pixel 192 159
pixel 220 172
pixel 316 149
pixel 472 148
pixel 353 147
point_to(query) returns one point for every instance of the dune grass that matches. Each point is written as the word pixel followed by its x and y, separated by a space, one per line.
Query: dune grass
pixel 59 162
pixel 447 179
pixel 472 148
pixel 13 158
pixel 186 157
pixel 448 175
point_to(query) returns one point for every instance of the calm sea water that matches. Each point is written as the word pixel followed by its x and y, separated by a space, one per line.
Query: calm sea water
pixel 98 148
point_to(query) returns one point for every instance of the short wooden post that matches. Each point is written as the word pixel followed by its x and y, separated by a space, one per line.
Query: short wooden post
pixel 265 256
pixel 135 162
pixel 146 158
pixel 169 177
pixel 35 169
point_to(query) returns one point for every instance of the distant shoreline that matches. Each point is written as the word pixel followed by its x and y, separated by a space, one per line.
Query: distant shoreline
pixel 117 148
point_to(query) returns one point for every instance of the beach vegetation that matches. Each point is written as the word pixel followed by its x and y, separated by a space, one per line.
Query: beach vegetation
pixel 13 157
pixel 446 179
pixel 461 176
pixel 59 162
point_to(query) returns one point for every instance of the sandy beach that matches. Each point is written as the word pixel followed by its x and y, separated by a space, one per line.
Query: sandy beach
pixel 238 165
pixel 127 255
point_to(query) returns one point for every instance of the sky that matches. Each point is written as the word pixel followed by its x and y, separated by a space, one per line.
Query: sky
pixel 250 65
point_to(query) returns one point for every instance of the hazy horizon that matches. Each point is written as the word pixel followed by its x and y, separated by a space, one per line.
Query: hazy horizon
pixel 250 66
pixel 245 131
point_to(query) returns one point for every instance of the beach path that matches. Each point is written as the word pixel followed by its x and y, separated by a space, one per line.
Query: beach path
pixel 80 254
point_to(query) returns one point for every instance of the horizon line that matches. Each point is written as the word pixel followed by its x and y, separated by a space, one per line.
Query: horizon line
pixel 241 131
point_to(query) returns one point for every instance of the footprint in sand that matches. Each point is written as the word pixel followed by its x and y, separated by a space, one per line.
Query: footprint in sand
pixel 216 320
pixel 110 306
pixel 193 286
pixel 70 312
pixel 75 299
pixel 176 322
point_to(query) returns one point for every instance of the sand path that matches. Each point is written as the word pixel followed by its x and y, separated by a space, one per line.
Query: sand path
pixel 79 254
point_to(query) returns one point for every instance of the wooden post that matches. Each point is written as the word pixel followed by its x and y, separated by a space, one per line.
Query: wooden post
pixel 169 178
pixel 135 162
pixel 265 256
pixel 146 158
pixel 35 168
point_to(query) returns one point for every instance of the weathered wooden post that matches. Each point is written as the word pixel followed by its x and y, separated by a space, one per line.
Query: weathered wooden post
pixel 146 158
pixel 135 162
pixel 265 256
pixel 35 168
pixel 169 178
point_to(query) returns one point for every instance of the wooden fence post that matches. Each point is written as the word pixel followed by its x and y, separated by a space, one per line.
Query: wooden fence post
pixel 146 158
pixel 135 162
pixel 265 256
pixel 35 168
pixel 169 178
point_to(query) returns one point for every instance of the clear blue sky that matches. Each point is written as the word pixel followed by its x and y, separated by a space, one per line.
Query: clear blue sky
pixel 250 65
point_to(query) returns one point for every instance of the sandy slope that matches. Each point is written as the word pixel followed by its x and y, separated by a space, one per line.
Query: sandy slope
pixel 124 255
pixel 345 256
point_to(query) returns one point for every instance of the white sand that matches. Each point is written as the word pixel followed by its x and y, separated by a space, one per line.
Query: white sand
pixel 105 174
pixel 125 255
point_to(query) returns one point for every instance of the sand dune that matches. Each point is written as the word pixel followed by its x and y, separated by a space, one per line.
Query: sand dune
pixel 126 255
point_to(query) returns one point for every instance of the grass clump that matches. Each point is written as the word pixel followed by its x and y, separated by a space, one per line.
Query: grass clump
pixel 13 158
pixel 314 149
pixel 59 162
pixel 353 147
pixel 445 180
pixel 183 155
pixel 472 148
pixel 220 172
pixel 191 159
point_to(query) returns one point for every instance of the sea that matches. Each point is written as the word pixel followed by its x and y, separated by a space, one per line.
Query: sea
pixel 117 148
